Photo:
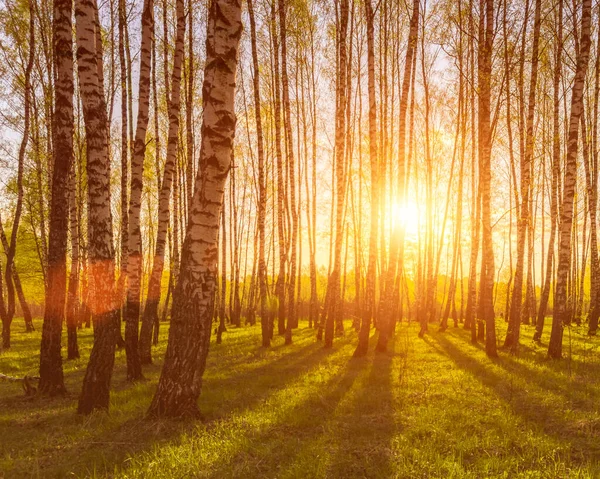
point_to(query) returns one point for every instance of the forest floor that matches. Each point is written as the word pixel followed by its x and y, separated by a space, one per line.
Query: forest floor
pixel 432 407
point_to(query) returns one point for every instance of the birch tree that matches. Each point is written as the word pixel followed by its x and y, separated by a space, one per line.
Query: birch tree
pixel 193 299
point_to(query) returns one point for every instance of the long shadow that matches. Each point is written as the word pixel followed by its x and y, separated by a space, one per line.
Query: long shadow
pixel 234 392
pixel 227 358
pixel 298 429
pixel 538 352
pixel 222 396
pixel 533 411
pixel 548 375
pixel 364 437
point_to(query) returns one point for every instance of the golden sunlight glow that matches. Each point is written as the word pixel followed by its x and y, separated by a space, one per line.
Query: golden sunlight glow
pixel 408 215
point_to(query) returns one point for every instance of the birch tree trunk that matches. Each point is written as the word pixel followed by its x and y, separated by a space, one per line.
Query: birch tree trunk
pixel 524 224
pixel 281 243
pixel 486 30
pixel 262 190
pixel 291 165
pixel 102 301
pixel 123 65
pixel 193 299
pixel 51 371
pixel 595 283
pixel 150 316
pixel 333 302
pixel 134 261
pixel 396 235
pixel 367 312
pixel 561 301
pixel 189 110
pixel 73 291
pixel 470 315
pixel 539 325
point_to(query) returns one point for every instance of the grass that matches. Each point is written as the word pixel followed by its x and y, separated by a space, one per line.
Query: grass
pixel 436 407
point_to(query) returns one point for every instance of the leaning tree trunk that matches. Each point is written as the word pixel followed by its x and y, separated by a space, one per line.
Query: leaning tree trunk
pixel 18 287
pixel 193 300
pixel 10 254
pixel 150 316
pixel 134 262
pixel 561 302
pixel 95 393
pixel 51 371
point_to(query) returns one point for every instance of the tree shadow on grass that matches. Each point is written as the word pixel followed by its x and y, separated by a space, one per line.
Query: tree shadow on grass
pixel 229 392
pixel 363 439
pixel 294 442
pixel 582 389
pixel 101 443
pixel 226 396
pixel 232 358
pixel 532 407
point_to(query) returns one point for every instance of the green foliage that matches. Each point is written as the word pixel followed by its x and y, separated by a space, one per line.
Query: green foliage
pixel 436 407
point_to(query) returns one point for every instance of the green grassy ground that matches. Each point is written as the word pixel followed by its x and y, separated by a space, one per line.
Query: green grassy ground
pixel 436 407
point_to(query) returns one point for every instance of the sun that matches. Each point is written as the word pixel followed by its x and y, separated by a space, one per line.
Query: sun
pixel 408 216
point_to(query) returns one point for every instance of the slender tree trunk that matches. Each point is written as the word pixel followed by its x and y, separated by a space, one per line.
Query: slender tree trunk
pixel 289 148
pixel 223 293
pixel 51 371
pixel 73 291
pixel 189 110
pixel 3 312
pixel 150 316
pixel 333 304
pixel 262 199
pixel 314 297
pixel 134 247
pixel 18 288
pixel 429 232
pixel 397 235
pixel 595 286
pixel 470 311
pixel 281 243
pixel 367 312
pixel 556 152
pixel 561 301
pixel 524 224
pixel 10 254
pixel 123 65
pixel 486 28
